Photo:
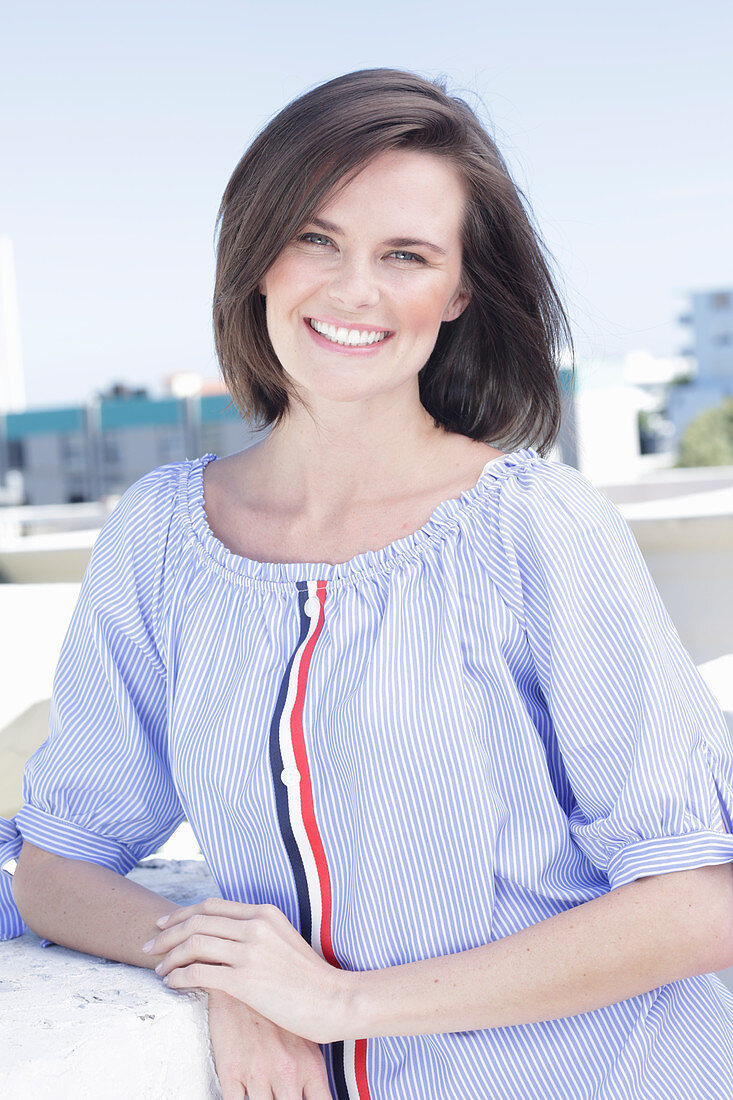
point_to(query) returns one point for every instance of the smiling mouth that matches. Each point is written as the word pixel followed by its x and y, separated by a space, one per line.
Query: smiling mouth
pixel 349 337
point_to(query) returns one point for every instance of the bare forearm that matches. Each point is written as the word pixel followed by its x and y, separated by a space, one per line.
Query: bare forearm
pixel 632 940
pixel 87 907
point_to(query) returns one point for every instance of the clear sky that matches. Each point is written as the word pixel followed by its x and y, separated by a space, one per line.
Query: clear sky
pixel 121 123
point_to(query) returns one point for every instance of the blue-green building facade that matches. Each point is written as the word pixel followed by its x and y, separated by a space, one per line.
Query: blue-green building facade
pixel 85 452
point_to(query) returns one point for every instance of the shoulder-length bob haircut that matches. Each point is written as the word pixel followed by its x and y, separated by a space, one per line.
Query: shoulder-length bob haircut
pixel 493 373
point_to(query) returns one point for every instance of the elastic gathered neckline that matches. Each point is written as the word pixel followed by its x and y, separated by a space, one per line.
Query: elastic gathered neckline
pixel 240 569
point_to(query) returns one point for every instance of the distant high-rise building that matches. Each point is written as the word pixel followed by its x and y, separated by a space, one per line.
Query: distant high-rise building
pixel 710 319
pixel 12 384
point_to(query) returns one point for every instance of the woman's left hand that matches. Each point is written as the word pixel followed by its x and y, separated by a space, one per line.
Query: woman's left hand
pixel 253 953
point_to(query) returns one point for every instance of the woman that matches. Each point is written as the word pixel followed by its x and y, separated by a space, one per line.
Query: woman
pixel 468 801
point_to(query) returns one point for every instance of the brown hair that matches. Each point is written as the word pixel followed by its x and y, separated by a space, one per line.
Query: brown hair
pixel 493 373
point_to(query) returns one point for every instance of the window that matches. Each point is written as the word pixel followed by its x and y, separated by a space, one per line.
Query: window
pixel 16 454
pixel 110 450
pixel 72 450
pixel 170 446
pixel 76 490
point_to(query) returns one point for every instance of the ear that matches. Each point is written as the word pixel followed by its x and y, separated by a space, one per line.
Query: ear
pixel 457 304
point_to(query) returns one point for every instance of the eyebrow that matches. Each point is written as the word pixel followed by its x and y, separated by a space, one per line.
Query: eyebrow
pixel 394 242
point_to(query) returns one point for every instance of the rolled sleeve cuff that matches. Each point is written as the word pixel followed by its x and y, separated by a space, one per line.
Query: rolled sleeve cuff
pixel 66 838
pixel 11 924
pixel 659 855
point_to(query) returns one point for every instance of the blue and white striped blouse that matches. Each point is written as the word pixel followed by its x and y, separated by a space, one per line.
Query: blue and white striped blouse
pixel 417 751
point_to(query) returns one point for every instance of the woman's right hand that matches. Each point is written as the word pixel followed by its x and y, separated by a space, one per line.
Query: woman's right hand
pixel 258 1060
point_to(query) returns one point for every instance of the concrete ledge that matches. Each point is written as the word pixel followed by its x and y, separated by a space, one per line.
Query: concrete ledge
pixel 77 1027
pixel 59 557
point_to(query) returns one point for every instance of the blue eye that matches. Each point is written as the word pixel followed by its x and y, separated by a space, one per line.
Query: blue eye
pixel 314 238
pixel 408 257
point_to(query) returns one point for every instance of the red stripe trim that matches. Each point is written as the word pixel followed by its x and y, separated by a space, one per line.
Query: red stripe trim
pixel 312 832
pixel 360 1073
pixel 306 788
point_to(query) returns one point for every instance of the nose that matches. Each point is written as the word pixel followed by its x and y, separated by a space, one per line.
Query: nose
pixel 354 284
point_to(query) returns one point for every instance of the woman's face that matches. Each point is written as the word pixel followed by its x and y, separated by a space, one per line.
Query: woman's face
pixel 355 302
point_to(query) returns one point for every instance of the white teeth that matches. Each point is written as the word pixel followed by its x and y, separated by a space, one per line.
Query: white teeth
pixel 348 337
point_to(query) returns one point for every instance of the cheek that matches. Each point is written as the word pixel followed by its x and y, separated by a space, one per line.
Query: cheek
pixel 425 312
pixel 289 281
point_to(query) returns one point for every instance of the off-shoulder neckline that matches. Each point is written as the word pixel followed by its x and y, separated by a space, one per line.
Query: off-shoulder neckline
pixel 240 569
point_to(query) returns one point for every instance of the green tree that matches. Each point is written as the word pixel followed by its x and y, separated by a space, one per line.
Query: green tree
pixel 708 439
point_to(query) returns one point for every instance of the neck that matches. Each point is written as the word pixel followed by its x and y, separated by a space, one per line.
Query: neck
pixel 321 465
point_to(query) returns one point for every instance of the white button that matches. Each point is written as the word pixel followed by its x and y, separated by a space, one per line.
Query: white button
pixel 290 777
pixel 312 607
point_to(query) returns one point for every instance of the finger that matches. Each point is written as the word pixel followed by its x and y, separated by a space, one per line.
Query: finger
pixel 201 949
pixel 223 928
pixel 258 1092
pixel 212 907
pixel 232 1090
pixel 286 1092
pixel 317 1090
pixel 202 976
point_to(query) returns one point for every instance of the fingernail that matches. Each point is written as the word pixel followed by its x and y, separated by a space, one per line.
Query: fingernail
pixel 148 945
pixel 161 921
pixel 158 968
pixel 166 980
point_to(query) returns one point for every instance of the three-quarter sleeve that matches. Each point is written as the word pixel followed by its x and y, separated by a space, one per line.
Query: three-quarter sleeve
pixel 643 741
pixel 100 788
